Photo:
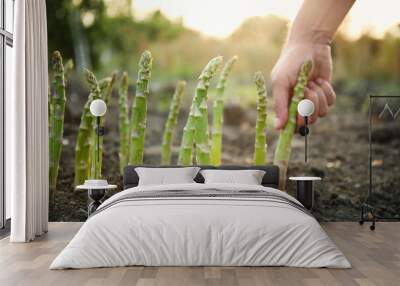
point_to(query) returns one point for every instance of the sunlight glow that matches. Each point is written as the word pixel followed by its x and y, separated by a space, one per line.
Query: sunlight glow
pixel 219 18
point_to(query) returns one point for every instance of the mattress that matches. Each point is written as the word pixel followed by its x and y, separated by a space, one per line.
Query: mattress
pixel 201 225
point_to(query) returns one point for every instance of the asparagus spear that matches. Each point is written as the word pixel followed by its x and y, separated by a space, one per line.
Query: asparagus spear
pixel 260 147
pixel 196 128
pixel 107 90
pixel 103 85
pixel 68 68
pixel 218 113
pixel 201 135
pixel 106 87
pixel 185 157
pixel 56 119
pixel 123 122
pixel 171 123
pixel 86 131
pixel 139 110
pixel 282 152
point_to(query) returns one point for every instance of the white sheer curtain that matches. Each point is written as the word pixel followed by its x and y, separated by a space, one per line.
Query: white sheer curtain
pixel 27 124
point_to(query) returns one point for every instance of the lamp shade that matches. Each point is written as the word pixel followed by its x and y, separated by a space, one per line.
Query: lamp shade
pixel 305 107
pixel 98 107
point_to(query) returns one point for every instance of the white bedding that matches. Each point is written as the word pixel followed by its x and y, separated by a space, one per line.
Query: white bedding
pixel 192 231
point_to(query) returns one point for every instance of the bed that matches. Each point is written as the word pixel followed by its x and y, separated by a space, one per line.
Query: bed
pixel 201 224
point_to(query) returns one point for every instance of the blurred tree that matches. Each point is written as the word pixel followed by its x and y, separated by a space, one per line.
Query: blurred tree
pixel 259 40
pixel 103 33
pixel 72 27
pixel 367 57
pixel 58 28
pixel 117 8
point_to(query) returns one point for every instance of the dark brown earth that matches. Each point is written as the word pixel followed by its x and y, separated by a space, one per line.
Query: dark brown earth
pixel 338 152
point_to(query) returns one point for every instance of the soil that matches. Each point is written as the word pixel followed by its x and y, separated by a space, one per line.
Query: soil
pixel 338 152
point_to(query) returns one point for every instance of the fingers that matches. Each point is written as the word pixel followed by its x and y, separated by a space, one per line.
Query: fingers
pixel 322 100
pixel 328 91
pixel 320 92
pixel 313 96
pixel 300 121
pixel 281 98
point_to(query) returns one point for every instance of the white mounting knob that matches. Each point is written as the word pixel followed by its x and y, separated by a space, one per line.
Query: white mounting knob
pixel 305 107
pixel 98 107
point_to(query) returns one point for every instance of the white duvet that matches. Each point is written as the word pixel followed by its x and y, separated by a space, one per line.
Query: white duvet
pixel 200 231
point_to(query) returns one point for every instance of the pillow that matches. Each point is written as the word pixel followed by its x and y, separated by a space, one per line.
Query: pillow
pixel 165 176
pixel 248 177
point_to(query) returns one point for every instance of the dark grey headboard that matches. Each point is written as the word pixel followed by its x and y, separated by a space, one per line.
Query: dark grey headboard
pixel 271 177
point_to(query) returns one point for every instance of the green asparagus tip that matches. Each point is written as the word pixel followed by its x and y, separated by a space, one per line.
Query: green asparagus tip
pixel 113 77
pixel 306 67
pixel 259 79
pixel 304 73
pixel 124 77
pixel 90 77
pixel 57 62
pixel 229 64
pixel 103 84
pixel 145 60
pixel 215 63
pixel 211 68
pixel 69 64
pixel 181 85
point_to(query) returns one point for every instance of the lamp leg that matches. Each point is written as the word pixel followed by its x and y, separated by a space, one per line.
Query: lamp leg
pixel 96 196
pixel 305 139
pixel 98 148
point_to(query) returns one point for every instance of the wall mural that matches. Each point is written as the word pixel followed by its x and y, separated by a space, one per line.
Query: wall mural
pixel 162 80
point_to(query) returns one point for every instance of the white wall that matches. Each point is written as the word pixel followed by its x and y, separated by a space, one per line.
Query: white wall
pixel 8 92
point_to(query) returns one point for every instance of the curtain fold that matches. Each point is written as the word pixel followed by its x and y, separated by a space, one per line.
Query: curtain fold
pixel 27 124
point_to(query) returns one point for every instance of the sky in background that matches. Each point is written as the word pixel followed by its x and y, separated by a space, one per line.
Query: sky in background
pixel 219 18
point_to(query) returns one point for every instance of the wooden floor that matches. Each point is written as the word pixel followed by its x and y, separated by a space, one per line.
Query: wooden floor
pixel 375 257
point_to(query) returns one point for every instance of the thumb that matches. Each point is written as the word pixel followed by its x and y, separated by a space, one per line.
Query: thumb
pixel 281 98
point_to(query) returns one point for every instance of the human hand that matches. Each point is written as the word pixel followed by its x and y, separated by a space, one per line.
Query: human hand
pixel 319 89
